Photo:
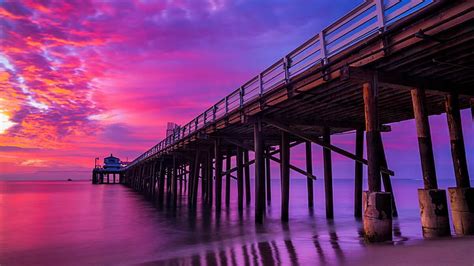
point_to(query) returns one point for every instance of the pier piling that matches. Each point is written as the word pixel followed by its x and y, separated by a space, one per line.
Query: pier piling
pixel 327 160
pixel 268 176
pixel 461 196
pixel 377 218
pixel 359 151
pixel 433 203
pixel 259 173
pixel 285 175
pixel 228 166
pixel 218 173
pixel 309 169
pixel 247 176
pixel 240 179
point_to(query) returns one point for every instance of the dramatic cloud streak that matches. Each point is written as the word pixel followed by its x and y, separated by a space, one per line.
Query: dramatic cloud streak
pixel 80 79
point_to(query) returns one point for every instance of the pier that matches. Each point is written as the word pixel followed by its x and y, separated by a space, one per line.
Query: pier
pixel 382 63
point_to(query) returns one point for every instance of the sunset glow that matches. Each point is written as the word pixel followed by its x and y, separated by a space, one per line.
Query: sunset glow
pixel 83 79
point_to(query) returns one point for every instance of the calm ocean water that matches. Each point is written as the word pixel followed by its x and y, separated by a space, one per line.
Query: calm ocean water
pixel 76 223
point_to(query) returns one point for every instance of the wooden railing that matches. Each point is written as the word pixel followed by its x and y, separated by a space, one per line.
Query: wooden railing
pixel 367 19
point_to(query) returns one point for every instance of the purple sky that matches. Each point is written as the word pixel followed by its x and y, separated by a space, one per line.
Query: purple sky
pixel 81 80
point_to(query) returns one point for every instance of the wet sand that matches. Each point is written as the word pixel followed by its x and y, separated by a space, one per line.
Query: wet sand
pixel 76 223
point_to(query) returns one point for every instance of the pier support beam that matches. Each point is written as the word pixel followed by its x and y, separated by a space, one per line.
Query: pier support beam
pixel 259 173
pixel 191 180
pixel 387 183
pixel 228 166
pixel 462 196
pixel 285 175
pixel 433 203
pixel 195 178
pixel 268 176
pixel 240 179
pixel 309 169
pixel 359 151
pixel 247 176
pixel 209 178
pixel 377 218
pixel 218 173
pixel 175 181
pixel 327 160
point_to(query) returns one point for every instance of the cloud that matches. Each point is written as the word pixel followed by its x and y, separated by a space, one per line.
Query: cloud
pixel 35 162
pixel 81 79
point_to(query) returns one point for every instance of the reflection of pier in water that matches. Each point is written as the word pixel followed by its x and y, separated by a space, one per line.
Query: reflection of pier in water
pixel 384 62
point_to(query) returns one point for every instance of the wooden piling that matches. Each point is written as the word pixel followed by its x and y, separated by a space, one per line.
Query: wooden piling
pixel 209 178
pixel 195 177
pixel 387 183
pixel 359 151
pixel 285 175
pixel 218 173
pixel 462 196
pixel 432 201
pixel 377 218
pixel 472 109
pixel 204 178
pixel 175 180
pixel 327 160
pixel 259 173
pixel 228 166
pixel 309 169
pixel 161 182
pixel 240 180
pixel 458 151
pixel 247 177
pixel 424 139
pixel 268 176
pixel 191 180
pixel 371 125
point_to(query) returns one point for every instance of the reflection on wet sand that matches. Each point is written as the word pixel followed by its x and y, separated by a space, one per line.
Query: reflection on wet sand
pixel 282 250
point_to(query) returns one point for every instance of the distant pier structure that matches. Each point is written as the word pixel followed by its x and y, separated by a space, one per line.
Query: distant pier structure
pixel 384 62
pixel 109 173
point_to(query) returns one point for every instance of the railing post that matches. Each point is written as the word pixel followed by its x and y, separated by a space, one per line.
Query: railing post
pixel 196 123
pixel 214 110
pixel 286 68
pixel 380 14
pixel 241 97
pixel 260 82
pixel 322 43
pixel 226 104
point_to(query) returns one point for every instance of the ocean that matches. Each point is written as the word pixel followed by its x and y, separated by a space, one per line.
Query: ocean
pixel 77 223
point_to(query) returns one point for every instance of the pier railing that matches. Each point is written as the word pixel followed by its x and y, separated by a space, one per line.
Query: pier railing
pixel 369 18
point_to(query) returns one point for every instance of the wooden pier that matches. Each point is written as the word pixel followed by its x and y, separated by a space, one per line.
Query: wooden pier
pixel 107 176
pixel 384 62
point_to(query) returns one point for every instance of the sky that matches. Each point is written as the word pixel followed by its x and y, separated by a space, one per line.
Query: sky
pixel 83 79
